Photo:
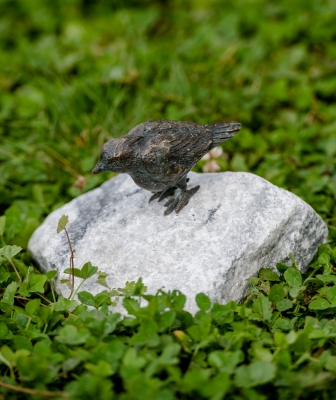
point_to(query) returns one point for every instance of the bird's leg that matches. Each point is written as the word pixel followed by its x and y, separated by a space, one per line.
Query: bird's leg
pixel 181 199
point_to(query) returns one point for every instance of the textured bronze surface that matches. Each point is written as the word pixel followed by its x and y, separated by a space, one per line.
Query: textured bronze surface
pixel 159 154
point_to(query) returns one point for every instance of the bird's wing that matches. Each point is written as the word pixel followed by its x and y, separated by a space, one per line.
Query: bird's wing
pixel 166 153
pixel 189 146
pixel 150 129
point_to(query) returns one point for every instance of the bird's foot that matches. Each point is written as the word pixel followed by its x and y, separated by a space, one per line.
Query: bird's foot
pixel 181 200
pixel 162 195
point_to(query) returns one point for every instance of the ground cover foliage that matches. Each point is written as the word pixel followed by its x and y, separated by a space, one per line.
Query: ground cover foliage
pixel 280 343
pixel 76 73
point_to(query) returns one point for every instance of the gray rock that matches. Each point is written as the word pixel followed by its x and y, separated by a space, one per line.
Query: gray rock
pixel 236 224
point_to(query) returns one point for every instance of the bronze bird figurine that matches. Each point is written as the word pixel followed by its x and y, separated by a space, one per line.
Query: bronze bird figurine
pixel 159 154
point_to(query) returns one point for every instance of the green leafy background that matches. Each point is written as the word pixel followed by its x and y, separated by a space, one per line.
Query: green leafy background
pixel 75 73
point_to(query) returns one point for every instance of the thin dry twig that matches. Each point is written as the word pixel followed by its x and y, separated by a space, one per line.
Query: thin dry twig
pixel 44 298
pixel 33 391
pixel 16 271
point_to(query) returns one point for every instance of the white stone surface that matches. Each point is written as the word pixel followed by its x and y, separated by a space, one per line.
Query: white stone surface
pixel 236 224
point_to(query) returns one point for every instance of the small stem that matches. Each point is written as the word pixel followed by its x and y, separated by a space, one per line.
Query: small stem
pixel 16 271
pixel 78 288
pixel 72 256
pixel 21 298
pixel 313 273
pixel 27 276
pixel 32 391
pixel 300 360
pixel 52 292
pixel 196 351
pixel 28 323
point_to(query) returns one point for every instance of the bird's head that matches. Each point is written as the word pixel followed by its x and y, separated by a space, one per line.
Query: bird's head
pixel 113 157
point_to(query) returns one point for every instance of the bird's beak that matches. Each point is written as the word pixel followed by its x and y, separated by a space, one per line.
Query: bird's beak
pixel 98 168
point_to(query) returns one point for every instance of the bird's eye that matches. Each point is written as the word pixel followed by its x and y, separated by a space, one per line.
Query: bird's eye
pixel 108 156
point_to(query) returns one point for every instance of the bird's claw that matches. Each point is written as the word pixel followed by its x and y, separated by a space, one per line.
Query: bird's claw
pixel 180 201
pixel 154 196
pixel 171 205
pixel 185 198
pixel 177 202
pixel 162 195
pixel 167 193
pixel 168 202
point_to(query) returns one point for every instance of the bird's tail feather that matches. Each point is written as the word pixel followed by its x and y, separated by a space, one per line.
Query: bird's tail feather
pixel 222 131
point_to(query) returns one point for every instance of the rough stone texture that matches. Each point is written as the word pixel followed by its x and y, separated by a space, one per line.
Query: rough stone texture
pixel 236 224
